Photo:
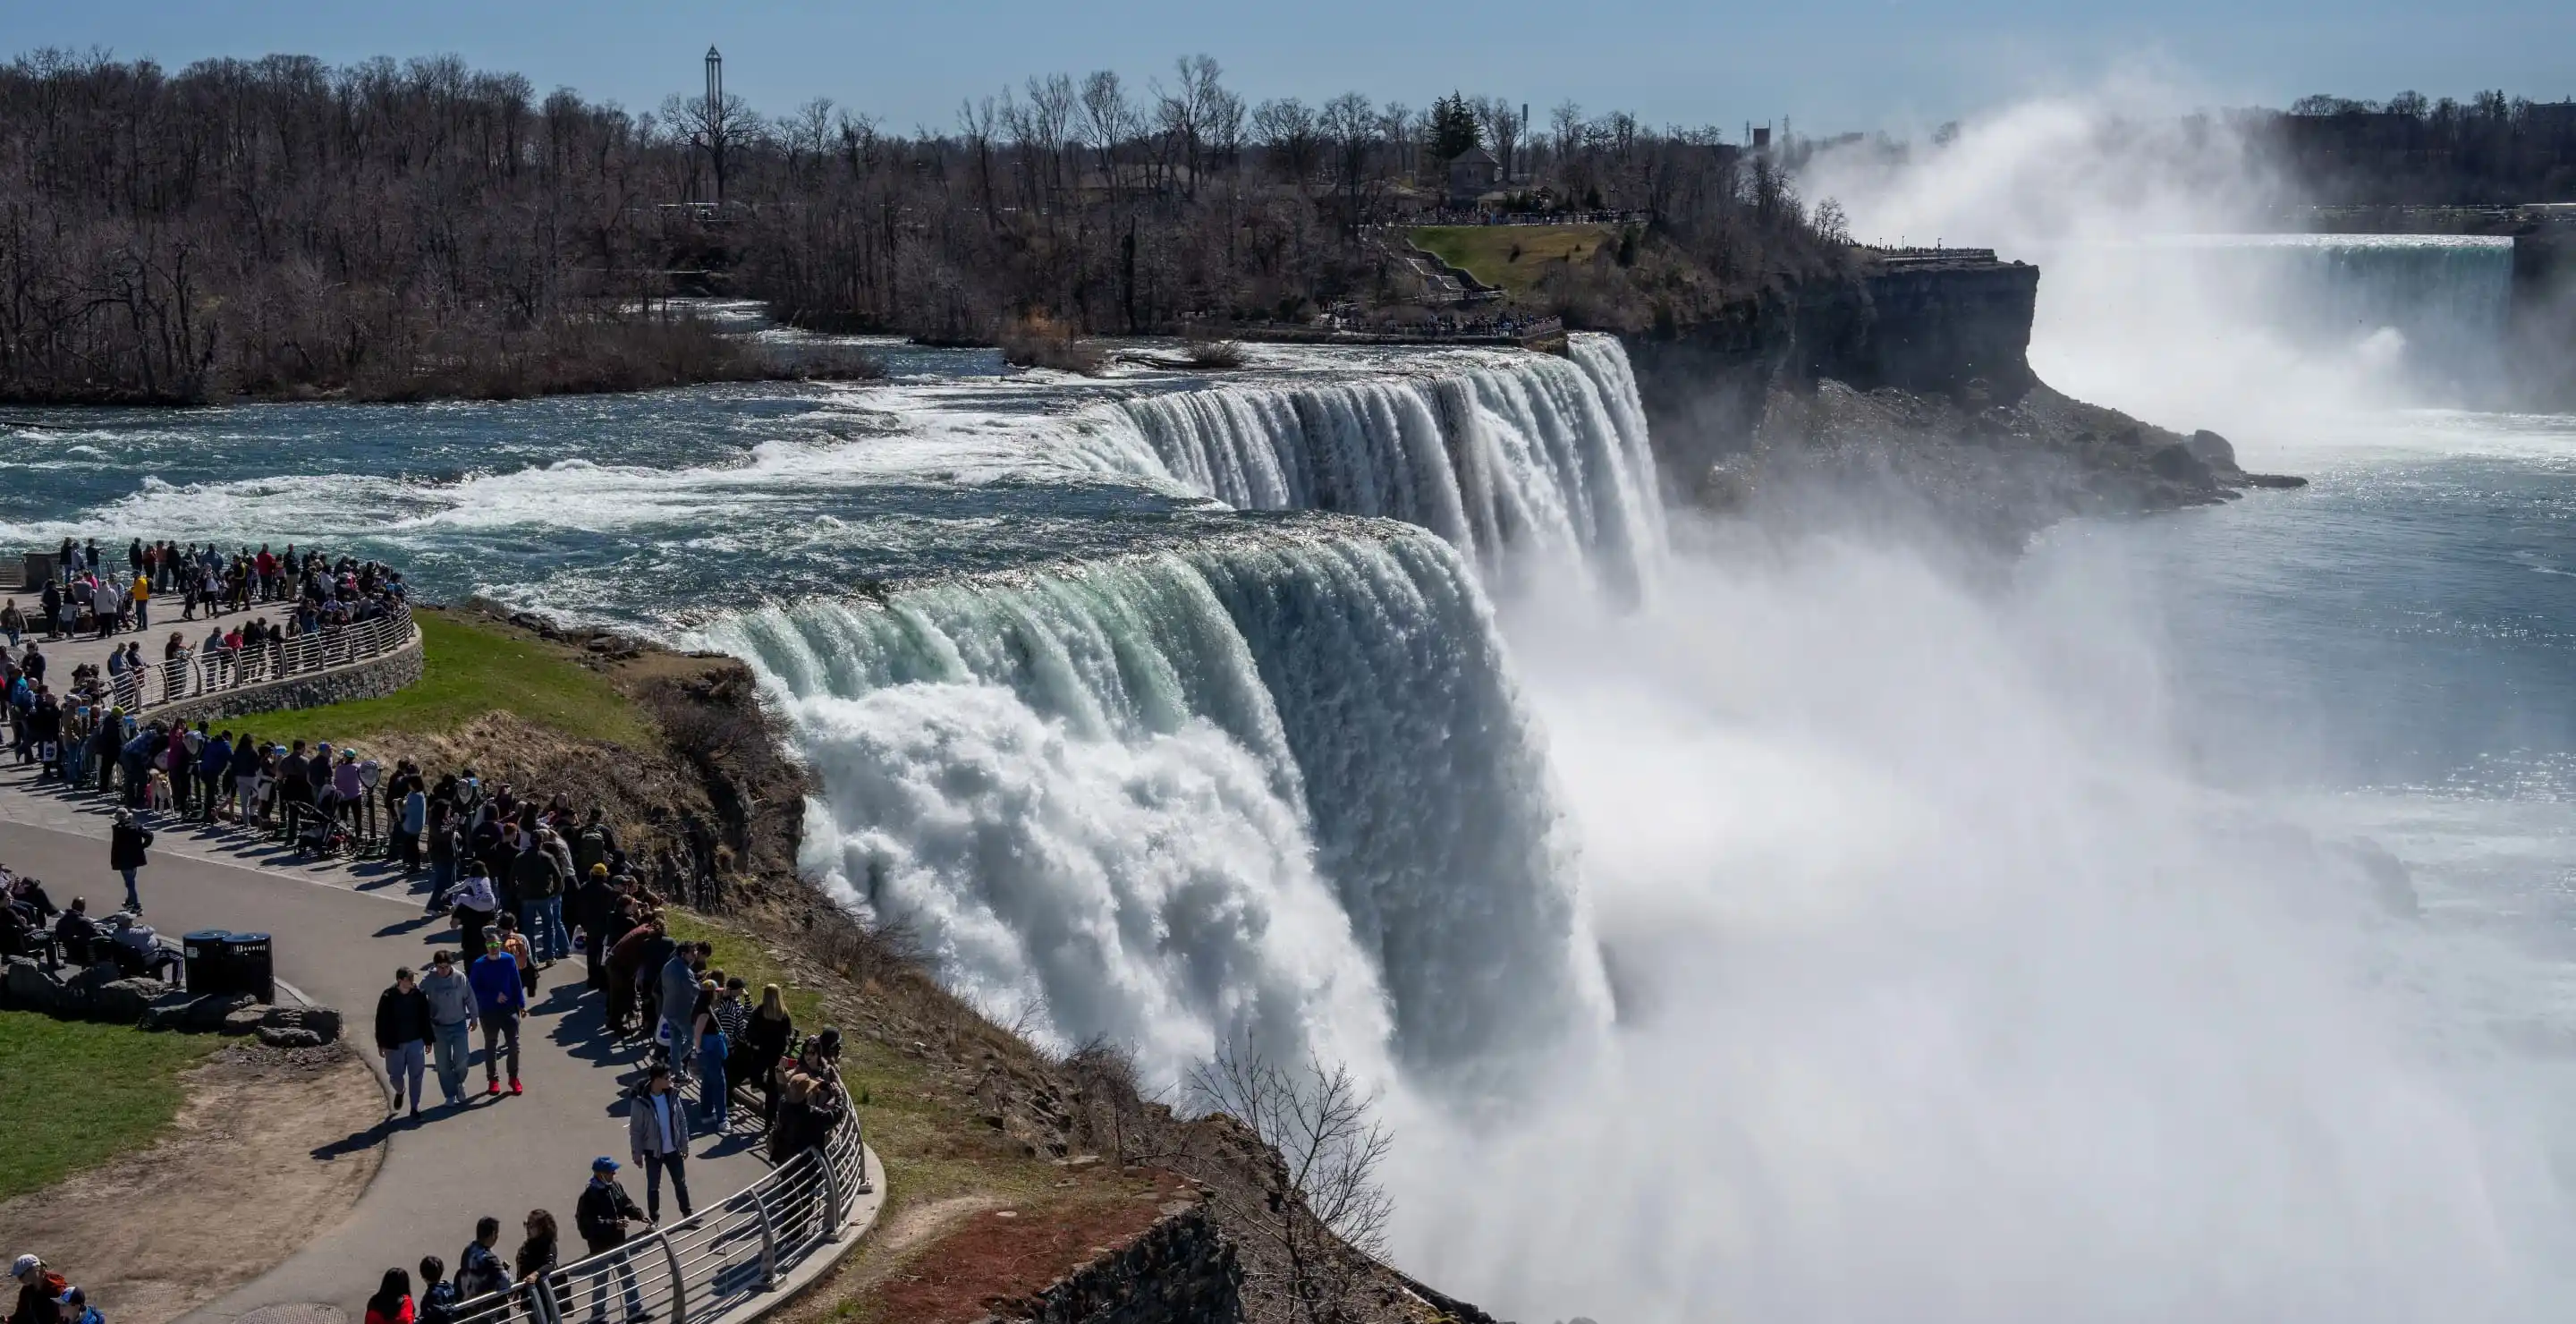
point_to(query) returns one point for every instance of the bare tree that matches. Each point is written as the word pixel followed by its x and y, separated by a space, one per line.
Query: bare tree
pixel 1501 122
pixel 1324 1213
pixel 721 127
pixel 1107 120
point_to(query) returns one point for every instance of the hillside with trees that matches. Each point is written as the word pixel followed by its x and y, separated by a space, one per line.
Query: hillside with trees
pixel 396 230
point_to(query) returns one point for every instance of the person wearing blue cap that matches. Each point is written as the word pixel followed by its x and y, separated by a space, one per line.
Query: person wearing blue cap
pixel 601 1216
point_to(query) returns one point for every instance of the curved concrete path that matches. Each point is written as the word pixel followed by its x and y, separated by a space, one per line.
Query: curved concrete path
pixel 339 933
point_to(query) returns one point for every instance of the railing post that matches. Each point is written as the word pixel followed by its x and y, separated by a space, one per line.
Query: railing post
pixel 768 1238
pixel 679 1285
pixel 831 1196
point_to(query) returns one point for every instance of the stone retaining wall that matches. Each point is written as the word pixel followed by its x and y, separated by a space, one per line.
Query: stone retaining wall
pixel 1179 1271
pixel 373 678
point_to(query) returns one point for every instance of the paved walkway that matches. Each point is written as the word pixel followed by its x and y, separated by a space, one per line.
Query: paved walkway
pixel 339 933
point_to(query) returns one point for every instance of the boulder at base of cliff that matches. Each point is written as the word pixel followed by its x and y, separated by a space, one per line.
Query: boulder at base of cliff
pixel 2176 463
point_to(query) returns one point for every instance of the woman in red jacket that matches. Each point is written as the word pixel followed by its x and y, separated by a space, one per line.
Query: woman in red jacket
pixel 392 1302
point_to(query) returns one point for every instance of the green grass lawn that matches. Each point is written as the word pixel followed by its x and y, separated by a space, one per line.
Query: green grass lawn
pixel 1513 257
pixel 74 1095
pixel 468 671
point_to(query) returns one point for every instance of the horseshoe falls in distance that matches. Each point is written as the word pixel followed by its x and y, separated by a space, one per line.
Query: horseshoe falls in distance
pixel 1274 787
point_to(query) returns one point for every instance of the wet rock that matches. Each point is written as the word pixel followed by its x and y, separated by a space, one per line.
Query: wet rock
pixel 2275 480
pixel 2213 450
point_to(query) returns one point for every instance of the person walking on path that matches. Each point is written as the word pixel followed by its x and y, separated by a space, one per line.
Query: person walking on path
pixel 657 1130
pixel 451 1015
pixel 125 854
pixel 499 1003
pixel 392 1302
pixel 403 1026
pixel 601 1216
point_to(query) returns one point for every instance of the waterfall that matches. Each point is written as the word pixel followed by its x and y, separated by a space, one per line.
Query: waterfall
pixel 1276 788
pixel 1532 459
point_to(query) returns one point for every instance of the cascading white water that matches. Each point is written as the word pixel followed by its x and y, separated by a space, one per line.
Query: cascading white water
pixel 1536 457
pixel 1276 789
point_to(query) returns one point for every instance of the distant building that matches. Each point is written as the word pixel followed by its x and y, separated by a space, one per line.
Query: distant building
pixel 1473 174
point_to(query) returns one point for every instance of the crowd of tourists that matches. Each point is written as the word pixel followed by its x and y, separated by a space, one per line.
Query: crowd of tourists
pixel 56 719
pixel 86 596
pixel 526 882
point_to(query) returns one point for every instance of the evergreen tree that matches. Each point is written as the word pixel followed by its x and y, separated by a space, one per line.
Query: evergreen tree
pixel 1453 127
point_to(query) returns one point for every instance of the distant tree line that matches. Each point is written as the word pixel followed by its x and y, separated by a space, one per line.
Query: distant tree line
pixel 396 229
pixel 2489 150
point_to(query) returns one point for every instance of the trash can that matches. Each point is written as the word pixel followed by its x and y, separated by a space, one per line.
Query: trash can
pixel 206 961
pixel 248 966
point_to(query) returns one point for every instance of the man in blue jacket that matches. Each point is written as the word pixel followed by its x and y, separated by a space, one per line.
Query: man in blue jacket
pixel 500 1001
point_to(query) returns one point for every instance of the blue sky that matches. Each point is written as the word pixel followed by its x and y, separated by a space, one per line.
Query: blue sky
pixel 1832 65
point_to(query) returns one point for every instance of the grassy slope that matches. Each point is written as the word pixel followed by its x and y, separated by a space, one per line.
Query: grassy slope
pixel 470 671
pixel 1487 250
pixel 74 1094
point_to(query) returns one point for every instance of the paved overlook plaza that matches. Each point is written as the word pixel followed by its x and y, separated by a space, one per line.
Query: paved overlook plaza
pixel 340 930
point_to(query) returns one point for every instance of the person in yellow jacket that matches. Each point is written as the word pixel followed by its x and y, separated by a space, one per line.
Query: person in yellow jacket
pixel 142 593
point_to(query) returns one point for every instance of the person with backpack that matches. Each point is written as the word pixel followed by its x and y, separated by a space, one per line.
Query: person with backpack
pixel 480 1270
pixel 601 1216
pixel 40 1292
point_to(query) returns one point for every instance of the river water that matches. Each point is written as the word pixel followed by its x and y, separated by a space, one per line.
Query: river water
pixel 1737 921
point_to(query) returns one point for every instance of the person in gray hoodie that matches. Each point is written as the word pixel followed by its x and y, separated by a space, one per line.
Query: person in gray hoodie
pixel 451 1017
pixel 679 979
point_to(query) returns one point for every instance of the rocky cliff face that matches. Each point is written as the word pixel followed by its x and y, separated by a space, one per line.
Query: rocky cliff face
pixel 1915 372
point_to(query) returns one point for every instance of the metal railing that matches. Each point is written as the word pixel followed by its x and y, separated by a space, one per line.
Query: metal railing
pixel 196 674
pixel 705 1265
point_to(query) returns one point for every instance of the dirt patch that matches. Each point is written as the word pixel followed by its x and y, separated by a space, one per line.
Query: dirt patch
pixel 983 1262
pixel 234 1189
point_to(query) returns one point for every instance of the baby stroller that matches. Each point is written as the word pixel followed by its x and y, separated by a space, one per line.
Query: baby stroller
pixel 325 836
